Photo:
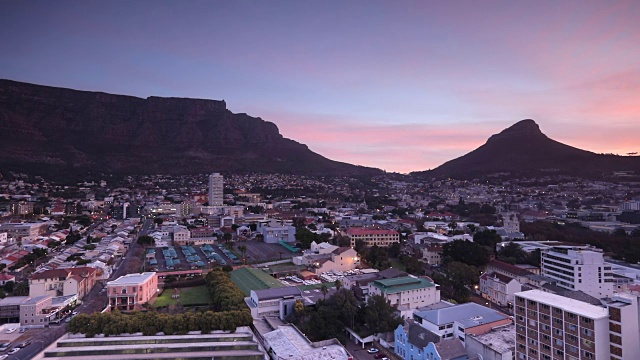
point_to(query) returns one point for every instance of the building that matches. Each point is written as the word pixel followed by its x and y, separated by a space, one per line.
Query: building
pixel 287 342
pixel 181 235
pixel 33 311
pixel 131 291
pixel 512 271
pixel 550 326
pixel 272 233
pixel 407 293
pixel 10 309
pixel 22 208
pixel 413 342
pixel 497 344
pixel 379 237
pixel 6 278
pixel 277 302
pixel 240 344
pixel 499 288
pixel 458 321
pixel 624 326
pixel 339 259
pixel 63 282
pixel 216 189
pixel 580 268
pixel 22 230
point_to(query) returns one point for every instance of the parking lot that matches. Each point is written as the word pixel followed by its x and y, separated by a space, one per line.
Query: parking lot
pixel 201 257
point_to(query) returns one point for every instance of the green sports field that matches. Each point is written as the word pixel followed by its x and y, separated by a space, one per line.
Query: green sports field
pixel 248 279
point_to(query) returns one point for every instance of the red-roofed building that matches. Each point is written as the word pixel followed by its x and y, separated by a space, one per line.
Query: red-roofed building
pixel 380 237
pixel 5 278
pixel 63 282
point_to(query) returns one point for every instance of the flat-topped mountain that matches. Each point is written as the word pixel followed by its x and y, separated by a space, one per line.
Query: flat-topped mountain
pixel 524 149
pixel 48 129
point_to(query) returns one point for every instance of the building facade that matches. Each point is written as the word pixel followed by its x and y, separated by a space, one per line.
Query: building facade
pixel 216 189
pixel 407 293
pixel 379 237
pixel 579 268
pixel 131 291
pixel 550 326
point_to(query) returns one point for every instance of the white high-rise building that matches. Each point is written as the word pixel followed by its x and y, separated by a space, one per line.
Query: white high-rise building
pixel 216 187
pixel 579 268
pixel 550 326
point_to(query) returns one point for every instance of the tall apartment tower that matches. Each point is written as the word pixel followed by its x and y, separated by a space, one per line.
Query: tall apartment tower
pixel 216 187
pixel 579 268
pixel 550 326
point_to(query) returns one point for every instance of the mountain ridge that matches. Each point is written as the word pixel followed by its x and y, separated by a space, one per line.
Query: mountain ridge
pixel 60 129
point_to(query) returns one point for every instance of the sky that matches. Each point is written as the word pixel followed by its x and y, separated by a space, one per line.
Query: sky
pixel 398 85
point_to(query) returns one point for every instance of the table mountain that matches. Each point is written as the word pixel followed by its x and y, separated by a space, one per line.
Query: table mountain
pixel 48 129
pixel 523 149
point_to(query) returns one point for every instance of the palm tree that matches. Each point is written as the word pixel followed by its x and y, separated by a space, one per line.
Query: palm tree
pixel 324 290
pixel 243 249
pixel 338 285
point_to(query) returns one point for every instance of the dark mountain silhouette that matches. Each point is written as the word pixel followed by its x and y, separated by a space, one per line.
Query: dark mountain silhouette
pixel 523 149
pixel 51 130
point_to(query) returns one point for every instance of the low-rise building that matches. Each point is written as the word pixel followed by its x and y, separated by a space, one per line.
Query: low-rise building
pixel 499 288
pixel 413 342
pixel 460 320
pixel 131 291
pixel 407 293
pixel 370 237
pixel 63 282
pixel 287 342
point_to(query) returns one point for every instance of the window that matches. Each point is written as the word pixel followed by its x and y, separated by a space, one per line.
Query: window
pixel 586 320
pixel 587 332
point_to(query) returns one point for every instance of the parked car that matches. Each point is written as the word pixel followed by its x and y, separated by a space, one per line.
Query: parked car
pixel 11 330
pixel 74 313
pixel 379 356
pixel 23 329
pixel 24 344
pixel 372 351
pixel 13 351
pixel 4 346
pixel 2 357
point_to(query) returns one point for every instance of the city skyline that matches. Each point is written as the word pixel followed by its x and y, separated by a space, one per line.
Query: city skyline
pixel 402 87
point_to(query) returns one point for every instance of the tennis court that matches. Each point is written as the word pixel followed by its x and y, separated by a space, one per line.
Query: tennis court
pixel 248 279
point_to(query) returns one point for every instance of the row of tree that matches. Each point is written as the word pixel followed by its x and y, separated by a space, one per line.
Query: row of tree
pixel 151 323
pixel 225 295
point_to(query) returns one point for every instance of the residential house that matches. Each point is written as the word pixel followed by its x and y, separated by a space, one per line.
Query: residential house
pixel 132 291
pixel 63 282
pixel 413 342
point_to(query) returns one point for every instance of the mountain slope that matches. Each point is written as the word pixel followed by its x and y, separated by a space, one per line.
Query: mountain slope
pixel 55 129
pixel 524 149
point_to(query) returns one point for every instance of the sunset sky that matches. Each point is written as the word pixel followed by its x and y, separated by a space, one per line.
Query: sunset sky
pixel 399 85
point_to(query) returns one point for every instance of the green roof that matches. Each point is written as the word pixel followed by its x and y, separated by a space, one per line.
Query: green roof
pixel 248 279
pixel 396 285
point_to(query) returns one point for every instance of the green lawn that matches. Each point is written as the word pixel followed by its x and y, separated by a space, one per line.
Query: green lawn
pixel 188 297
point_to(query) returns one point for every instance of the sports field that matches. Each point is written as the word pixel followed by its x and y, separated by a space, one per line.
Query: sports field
pixel 248 279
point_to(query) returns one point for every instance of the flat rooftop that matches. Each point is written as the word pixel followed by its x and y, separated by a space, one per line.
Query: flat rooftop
pixel 565 303
pixel 501 339
pixel 131 279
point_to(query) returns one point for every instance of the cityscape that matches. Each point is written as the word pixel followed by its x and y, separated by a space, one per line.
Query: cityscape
pixel 361 180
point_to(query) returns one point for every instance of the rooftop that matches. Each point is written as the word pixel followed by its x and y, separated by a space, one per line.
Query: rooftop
pixel 468 314
pixel 565 303
pixel 366 231
pixel 396 285
pixel 131 279
pixel 501 339
pixel 287 342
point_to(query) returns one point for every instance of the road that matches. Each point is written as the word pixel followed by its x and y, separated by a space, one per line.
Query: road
pixel 94 301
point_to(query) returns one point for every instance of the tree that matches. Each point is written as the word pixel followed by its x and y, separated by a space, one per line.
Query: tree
pixel 465 251
pixel 158 221
pixel 360 246
pixel 489 238
pixel 145 240
pixel 305 237
pixel 324 290
pixel 513 253
pixel 243 250
pixel 379 316
pixel 394 249
pixel 227 237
